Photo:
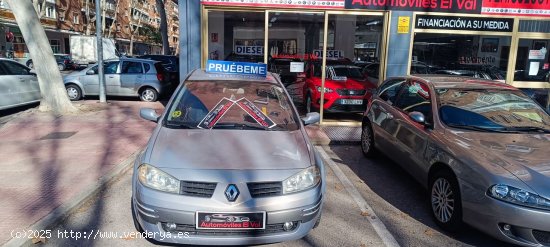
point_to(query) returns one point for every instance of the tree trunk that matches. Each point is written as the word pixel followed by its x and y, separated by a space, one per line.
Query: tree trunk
pixel 163 27
pixel 103 14
pixel 52 89
pixel 88 24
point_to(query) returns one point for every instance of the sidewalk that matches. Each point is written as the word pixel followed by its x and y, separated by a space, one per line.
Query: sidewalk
pixel 47 161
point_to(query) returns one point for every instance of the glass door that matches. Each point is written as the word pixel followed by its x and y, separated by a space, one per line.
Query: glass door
pixel 294 48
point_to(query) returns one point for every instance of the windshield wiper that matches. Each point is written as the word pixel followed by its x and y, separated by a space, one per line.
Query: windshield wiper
pixel 180 126
pixel 528 129
pixel 239 126
pixel 477 128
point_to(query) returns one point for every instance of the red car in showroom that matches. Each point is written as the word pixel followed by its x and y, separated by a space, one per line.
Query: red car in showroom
pixel 346 88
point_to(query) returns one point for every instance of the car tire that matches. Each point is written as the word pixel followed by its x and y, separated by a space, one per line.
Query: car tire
pixel 445 191
pixel 61 67
pixel 148 94
pixel 367 141
pixel 318 221
pixel 308 104
pixel 134 217
pixel 74 92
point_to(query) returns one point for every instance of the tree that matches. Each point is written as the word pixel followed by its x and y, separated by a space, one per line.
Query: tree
pixel 161 5
pixel 114 20
pixel 52 89
pixel 134 29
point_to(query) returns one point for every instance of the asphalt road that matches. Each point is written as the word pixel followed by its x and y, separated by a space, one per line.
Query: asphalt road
pixel 397 200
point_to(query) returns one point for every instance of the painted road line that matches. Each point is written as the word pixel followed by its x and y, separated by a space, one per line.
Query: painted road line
pixel 377 224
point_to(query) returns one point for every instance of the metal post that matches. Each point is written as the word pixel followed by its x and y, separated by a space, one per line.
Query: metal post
pixel 102 98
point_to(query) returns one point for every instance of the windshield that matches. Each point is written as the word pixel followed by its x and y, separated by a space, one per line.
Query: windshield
pixel 231 105
pixel 350 72
pixel 491 110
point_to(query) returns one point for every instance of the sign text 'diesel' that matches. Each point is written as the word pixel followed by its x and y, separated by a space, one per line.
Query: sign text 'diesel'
pixel 464 23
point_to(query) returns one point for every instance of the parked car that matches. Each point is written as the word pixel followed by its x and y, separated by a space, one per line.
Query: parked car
pixel 281 66
pixel 371 73
pixel 346 89
pixel 462 72
pixel 123 77
pixel 18 85
pixel 228 148
pixel 171 65
pixel 64 62
pixel 480 147
pixel 523 75
pixel 474 70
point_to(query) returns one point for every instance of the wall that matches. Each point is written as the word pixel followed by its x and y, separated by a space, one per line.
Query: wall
pixel 190 36
pixel 398 46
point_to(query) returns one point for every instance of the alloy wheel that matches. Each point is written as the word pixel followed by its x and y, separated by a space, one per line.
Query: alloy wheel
pixel 443 203
pixel 148 95
pixel 72 92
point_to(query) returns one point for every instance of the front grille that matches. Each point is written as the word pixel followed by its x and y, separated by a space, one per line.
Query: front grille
pixel 269 229
pixel 197 189
pixel 265 189
pixel 542 237
pixel 351 92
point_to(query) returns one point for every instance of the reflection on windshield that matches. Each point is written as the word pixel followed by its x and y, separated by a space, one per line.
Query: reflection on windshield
pixel 231 105
pixel 350 72
pixel 491 109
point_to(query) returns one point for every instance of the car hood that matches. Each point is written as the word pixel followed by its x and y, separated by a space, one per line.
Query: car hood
pixel 229 149
pixel 526 156
pixel 349 84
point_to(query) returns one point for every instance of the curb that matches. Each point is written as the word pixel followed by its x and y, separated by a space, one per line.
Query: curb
pixel 61 212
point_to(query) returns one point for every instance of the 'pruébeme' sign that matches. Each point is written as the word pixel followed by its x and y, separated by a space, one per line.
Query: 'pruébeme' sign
pixel 228 67
pixel 464 23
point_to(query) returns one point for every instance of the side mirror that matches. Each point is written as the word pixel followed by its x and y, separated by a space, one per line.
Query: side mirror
pixel 417 117
pixel 311 118
pixel 90 72
pixel 149 114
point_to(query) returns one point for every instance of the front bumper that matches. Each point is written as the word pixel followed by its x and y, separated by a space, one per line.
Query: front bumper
pixel 527 226
pixel 154 209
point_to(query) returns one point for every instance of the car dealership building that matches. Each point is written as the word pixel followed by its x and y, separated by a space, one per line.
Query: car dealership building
pixel 503 40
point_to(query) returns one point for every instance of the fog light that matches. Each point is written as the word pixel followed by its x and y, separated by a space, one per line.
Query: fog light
pixel 170 226
pixel 507 227
pixel 288 226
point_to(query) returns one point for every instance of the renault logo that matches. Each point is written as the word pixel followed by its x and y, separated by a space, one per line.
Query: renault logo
pixel 231 193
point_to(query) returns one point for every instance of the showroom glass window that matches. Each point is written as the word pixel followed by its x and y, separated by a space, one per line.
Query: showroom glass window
pixel 533 60
pixel 480 56
pixel 236 36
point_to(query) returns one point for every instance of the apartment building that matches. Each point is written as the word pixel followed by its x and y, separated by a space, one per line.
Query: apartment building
pixel 125 21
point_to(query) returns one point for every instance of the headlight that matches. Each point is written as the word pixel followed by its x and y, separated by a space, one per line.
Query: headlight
pixel 157 179
pixel 327 90
pixel 518 196
pixel 303 180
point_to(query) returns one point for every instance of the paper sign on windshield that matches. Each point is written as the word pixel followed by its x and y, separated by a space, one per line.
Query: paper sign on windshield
pixel 216 113
pixel 255 113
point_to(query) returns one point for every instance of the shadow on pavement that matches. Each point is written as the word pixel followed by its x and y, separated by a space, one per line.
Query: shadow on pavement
pixel 392 183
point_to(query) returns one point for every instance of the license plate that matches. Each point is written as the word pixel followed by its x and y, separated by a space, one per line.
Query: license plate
pixel 230 221
pixel 352 101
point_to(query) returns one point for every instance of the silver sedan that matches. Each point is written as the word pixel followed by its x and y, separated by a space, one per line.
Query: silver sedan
pixel 229 163
pixel 479 146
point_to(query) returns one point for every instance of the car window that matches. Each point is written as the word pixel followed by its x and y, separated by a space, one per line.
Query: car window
pixel 108 67
pixel 2 70
pixel 415 96
pixel 490 109
pixel 146 67
pixel 13 68
pixel 348 71
pixel 372 71
pixel 232 105
pixel 388 91
pixel 131 68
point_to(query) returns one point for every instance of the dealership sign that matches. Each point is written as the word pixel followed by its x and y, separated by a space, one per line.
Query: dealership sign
pixel 516 7
pixel 317 4
pixel 464 23
pixel 453 6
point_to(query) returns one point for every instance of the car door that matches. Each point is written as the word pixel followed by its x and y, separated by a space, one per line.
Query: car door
pixel 412 137
pixel 382 113
pixel 131 77
pixel 112 78
pixel 90 81
pixel 22 82
pixel 9 88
